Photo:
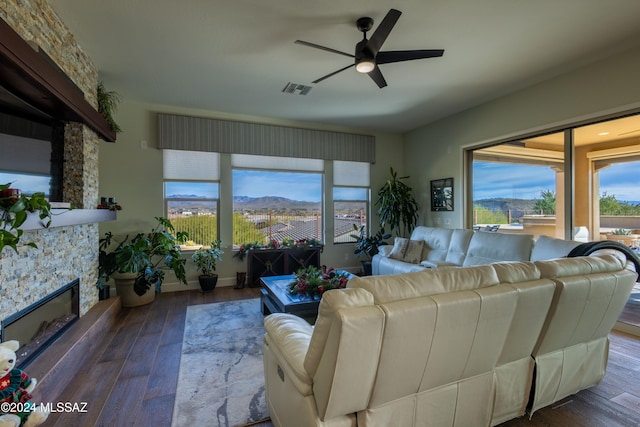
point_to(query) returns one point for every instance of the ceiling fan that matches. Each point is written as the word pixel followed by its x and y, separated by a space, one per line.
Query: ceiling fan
pixel 368 55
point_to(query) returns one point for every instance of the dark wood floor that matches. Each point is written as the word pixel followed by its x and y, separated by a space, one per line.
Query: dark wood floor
pixel 631 313
pixel 132 379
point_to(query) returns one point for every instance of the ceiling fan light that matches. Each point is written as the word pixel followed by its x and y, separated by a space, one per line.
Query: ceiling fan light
pixel 365 66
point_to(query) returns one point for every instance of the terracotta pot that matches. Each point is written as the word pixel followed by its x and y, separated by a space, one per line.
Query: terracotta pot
pixel 124 289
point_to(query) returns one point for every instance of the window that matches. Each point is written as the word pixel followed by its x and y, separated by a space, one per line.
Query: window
pixel 350 199
pixel 276 199
pixel 191 193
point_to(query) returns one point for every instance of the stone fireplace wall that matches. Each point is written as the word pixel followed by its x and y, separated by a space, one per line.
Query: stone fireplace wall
pixel 63 253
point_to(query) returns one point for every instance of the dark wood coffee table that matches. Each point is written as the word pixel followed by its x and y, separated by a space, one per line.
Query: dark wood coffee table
pixel 275 298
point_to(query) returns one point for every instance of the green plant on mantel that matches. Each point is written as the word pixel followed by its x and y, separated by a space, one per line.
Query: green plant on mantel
pixel 14 210
pixel 107 104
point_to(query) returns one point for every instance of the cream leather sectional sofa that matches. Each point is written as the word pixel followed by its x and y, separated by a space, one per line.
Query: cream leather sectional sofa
pixel 460 247
pixel 447 346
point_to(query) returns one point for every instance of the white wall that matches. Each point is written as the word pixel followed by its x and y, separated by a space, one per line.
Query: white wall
pixel 133 175
pixel 436 151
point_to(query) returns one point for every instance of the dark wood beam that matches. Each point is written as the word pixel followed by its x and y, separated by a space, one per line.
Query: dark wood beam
pixel 31 76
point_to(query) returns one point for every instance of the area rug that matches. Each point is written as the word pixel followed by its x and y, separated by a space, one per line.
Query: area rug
pixel 221 378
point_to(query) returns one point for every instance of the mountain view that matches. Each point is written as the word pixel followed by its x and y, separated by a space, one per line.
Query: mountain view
pixel 275 203
pixel 245 203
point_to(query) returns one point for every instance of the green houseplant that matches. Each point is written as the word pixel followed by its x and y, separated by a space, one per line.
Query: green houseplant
pixel 107 103
pixel 139 263
pixel 14 210
pixel 206 259
pixel 368 245
pixel 397 208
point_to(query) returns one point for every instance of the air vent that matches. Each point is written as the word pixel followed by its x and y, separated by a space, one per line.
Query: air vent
pixel 294 88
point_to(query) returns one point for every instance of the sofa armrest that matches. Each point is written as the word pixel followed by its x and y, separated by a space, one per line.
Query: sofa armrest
pixel 385 250
pixel 291 336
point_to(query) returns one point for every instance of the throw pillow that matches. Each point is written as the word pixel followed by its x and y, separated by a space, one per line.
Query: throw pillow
pixel 407 250
pixel 400 245
pixel 413 253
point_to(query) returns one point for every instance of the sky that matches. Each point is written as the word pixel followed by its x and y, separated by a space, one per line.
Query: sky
pixel 491 180
pixel 292 185
pixel 500 180
pixel 35 183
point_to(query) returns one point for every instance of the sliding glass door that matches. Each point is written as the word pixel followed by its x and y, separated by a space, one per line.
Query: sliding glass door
pixel 582 183
pixel 519 186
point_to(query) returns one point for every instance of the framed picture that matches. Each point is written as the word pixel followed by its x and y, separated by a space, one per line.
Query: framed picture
pixel 442 194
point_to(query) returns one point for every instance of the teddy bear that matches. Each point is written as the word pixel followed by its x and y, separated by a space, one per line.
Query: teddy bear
pixel 15 389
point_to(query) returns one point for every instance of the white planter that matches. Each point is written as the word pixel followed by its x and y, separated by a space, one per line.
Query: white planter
pixel 124 289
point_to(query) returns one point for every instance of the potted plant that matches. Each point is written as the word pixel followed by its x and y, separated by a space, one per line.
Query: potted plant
pixel 14 210
pixel 368 245
pixel 206 260
pixel 397 208
pixel 107 103
pixel 139 263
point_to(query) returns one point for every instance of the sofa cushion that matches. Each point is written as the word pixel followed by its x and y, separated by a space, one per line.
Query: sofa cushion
pixel 580 265
pixel 458 246
pixel 388 266
pixel 515 272
pixel 385 250
pixel 550 247
pixel 436 264
pixel 487 248
pixel 436 242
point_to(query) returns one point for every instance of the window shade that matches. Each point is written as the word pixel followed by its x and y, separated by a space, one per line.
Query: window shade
pixel 272 162
pixel 223 136
pixel 191 165
pixel 351 173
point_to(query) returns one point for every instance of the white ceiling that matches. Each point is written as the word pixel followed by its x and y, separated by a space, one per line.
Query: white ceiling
pixel 236 56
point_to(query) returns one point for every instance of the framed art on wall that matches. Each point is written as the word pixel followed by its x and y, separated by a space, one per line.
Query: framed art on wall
pixel 442 194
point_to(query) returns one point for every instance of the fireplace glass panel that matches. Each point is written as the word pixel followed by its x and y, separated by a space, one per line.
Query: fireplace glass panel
pixel 40 324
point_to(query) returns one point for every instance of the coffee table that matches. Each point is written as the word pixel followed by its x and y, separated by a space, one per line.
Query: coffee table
pixel 275 298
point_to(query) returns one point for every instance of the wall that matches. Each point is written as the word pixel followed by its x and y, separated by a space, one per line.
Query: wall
pixel 131 171
pixel 601 89
pixel 65 253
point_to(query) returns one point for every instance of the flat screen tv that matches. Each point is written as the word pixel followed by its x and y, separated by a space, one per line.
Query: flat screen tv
pixel 32 155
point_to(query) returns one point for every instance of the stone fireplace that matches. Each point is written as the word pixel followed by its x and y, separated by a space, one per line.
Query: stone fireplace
pixel 68 250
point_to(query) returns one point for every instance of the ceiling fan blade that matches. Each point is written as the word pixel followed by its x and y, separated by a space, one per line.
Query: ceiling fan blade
pixel 328 49
pixel 332 74
pixel 407 55
pixel 376 76
pixel 383 30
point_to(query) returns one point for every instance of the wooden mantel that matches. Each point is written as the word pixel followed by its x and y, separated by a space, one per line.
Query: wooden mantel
pixel 35 80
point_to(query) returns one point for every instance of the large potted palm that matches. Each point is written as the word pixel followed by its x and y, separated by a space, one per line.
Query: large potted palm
pixel 397 208
pixel 138 264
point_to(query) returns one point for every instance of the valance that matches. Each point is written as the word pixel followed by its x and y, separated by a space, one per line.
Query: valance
pixel 224 136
